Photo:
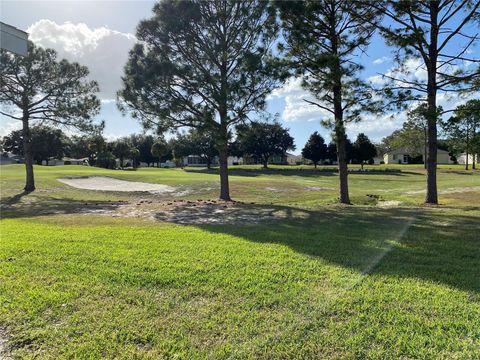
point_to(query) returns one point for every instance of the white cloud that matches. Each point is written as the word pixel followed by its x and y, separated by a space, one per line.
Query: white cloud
pixel 103 50
pixel 377 127
pixel 296 108
pixel 9 125
pixel 381 60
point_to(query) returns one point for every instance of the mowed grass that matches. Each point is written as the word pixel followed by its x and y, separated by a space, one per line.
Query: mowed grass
pixel 342 282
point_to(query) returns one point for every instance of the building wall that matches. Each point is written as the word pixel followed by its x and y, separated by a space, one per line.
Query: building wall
pixel 461 159
pixel 402 158
pixel 395 158
pixel 443 158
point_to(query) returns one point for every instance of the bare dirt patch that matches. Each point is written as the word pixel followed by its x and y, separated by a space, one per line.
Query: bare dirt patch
pixel 453 190
pixel 105 183
pixel 388 203
pixel 206 212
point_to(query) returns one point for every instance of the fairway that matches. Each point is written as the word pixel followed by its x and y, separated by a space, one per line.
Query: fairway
pixel 284 272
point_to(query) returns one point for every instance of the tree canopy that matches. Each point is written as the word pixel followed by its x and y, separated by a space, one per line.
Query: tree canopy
pixel 196 142
pixel 463 128
pixel 322 40
pixel 429 36
pixel 363 149
pixel 261 140
pixel 47 143
pixel 43 89
pixel 315 149
pixel 202 64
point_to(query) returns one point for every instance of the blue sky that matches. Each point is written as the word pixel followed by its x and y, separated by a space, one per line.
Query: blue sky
pixel 100 33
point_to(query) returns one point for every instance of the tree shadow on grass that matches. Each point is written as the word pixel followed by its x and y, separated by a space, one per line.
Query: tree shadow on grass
pixel 442 246
pixel 41 206
pixel 300 172
pixel 12 200
pixel 434 247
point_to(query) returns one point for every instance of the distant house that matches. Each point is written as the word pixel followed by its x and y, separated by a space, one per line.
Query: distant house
pixel 167 164
pixel 196 160
pixel 462 158
pixel 8 158
pixel 378 160
pixel 402 156
pixel 65 161
pixel 294 159
pixel 285 159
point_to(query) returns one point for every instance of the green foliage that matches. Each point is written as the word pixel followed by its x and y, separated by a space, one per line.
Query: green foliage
pixel 413 135
pixel 463 128
pixel 198 59
pixel 262 140
pixel 424 30
pixel 43 88
pixel 122 149
pixel 201 64
pixel 143 143
pixel 196 142
pixel 160 148
pixel 363 149
pixel 315 149
pixel 105 159
pixel 321 41
pixel 78 147
pixel 47 143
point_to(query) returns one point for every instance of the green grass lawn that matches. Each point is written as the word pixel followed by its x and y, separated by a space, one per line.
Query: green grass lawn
pixel 358 281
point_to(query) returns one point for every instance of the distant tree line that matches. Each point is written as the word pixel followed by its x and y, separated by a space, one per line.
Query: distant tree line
pixel 362 151
pixel 257 140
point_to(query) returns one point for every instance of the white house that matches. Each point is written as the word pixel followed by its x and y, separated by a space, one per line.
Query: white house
pixel 402 156
pixel 462 158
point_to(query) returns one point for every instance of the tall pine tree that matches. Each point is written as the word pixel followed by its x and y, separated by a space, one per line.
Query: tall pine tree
pixel 202 64
pixel 321 41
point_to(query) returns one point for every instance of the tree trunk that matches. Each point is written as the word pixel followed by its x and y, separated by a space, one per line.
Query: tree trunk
pixel 340 136
pixel 27 153
pixel 265 164
pixel 425 148
pixel 223 115
pixel 315 165
pixel 223 162
pixel 467 150
pixel 432 195
pixel 342 164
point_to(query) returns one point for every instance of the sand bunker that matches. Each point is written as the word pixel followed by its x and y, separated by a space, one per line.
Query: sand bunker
pixel 104 183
